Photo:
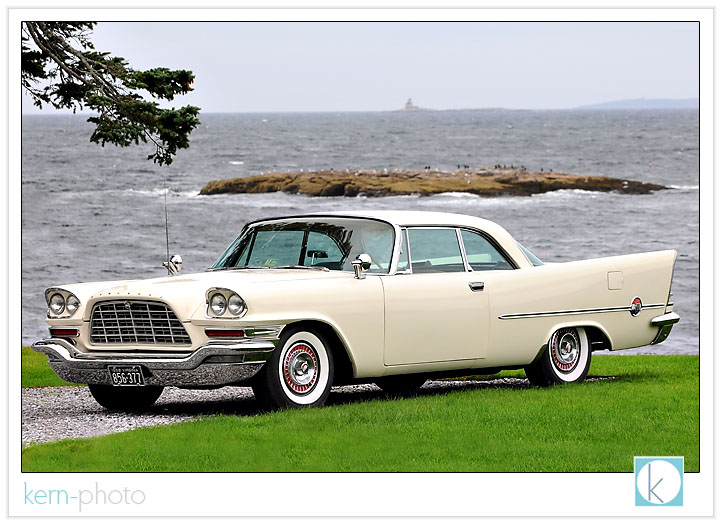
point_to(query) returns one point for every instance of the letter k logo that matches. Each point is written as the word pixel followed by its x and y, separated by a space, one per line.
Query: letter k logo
pixel 649 484
pixel 658 480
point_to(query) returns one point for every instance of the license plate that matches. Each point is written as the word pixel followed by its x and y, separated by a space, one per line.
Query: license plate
pixel 126 375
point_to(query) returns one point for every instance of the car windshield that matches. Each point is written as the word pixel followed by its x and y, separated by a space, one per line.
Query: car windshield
pixel 323 243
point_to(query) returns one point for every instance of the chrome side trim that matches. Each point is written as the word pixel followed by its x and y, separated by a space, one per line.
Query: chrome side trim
pixel 266 332
pixel 578 312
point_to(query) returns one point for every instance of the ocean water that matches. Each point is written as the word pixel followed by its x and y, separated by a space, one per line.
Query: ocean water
pixel 92 213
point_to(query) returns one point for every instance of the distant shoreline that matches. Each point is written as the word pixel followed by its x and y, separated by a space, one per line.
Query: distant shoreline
pixel 488 182
pixel 86 114
pixel 425 110
pixel 616 105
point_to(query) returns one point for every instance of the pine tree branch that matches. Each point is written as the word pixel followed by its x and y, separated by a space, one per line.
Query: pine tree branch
pixel 108 89
pixel 78 77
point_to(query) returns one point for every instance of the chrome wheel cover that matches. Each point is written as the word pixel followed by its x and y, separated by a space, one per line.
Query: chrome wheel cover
pixel 301 368
pixel 565 350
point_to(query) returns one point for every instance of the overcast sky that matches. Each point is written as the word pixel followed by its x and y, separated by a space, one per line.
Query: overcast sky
pixel 333 66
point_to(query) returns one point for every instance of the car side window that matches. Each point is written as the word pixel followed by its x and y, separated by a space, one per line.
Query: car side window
pixel 481 254
pixel 435 250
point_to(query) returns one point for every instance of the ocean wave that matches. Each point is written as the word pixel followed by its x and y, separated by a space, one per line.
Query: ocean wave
pixel 569 194
pixel 158 192
pixel 462 198
pixel 235 162
pixel 682 187
pixel 154 192
pixel 458 195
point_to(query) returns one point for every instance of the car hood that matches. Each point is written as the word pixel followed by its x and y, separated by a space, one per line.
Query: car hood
pixel 185 292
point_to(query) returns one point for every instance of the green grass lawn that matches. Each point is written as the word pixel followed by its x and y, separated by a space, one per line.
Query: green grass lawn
pixel 36 372
pixel 650 408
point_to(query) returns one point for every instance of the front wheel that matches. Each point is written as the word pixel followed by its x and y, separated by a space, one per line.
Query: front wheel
pixel 298 374
pixel 566 359
pixel 126 398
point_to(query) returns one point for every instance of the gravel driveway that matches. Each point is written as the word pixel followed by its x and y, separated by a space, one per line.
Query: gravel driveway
pixel 61 412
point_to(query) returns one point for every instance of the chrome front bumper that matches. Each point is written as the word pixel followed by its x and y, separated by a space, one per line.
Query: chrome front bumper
pixel 665 323
pixel 216 363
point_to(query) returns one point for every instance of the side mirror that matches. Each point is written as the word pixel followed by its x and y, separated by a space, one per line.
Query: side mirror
pixel 174 265
pixel 360 264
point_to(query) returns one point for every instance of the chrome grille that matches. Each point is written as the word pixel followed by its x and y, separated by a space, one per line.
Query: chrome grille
pixel 136 322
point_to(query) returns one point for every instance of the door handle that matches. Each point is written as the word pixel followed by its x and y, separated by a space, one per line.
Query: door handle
pixel 476 286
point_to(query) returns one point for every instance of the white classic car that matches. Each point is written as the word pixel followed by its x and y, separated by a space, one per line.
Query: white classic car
pixel 298 304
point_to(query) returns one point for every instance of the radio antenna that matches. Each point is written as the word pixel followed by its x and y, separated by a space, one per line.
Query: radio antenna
pixel 165 209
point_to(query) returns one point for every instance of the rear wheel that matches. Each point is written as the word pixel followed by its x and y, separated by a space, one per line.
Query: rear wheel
pixel 400 385
pixel 298 374
pixel 126 398
pixel 566 359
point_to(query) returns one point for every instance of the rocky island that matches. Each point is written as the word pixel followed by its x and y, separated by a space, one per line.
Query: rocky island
pixel 488 182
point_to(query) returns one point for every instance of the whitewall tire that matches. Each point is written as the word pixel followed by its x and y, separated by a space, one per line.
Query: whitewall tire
pixel 299 373
pixel 565 360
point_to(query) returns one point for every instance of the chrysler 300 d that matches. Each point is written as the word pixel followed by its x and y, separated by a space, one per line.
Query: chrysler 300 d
pixel 297 304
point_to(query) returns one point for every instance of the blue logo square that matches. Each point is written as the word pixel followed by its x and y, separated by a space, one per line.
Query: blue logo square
pixel 659 481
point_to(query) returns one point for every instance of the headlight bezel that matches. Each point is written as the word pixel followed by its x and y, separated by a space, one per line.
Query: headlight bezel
pixel 229 296
pixel 67 298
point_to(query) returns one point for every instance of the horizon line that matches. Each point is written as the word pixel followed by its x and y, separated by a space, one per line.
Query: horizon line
pixel 583 107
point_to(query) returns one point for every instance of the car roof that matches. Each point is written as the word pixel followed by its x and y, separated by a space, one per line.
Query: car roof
pixel 420 218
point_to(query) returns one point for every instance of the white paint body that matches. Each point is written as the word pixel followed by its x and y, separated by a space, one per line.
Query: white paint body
pixel 409 323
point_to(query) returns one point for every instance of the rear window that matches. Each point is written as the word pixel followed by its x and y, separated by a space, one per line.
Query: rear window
pixel 532 258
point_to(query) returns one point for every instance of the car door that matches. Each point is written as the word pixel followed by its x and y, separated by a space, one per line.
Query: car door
pixel 436 309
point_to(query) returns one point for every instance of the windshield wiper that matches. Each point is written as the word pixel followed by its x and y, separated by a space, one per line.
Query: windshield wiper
pixel 237 268
pixel 301 267
pixel 284 267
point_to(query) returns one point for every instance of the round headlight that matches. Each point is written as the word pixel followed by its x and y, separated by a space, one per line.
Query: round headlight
pixel 57 304
pixel 218 304
pixel 72 304
pixel 236 304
